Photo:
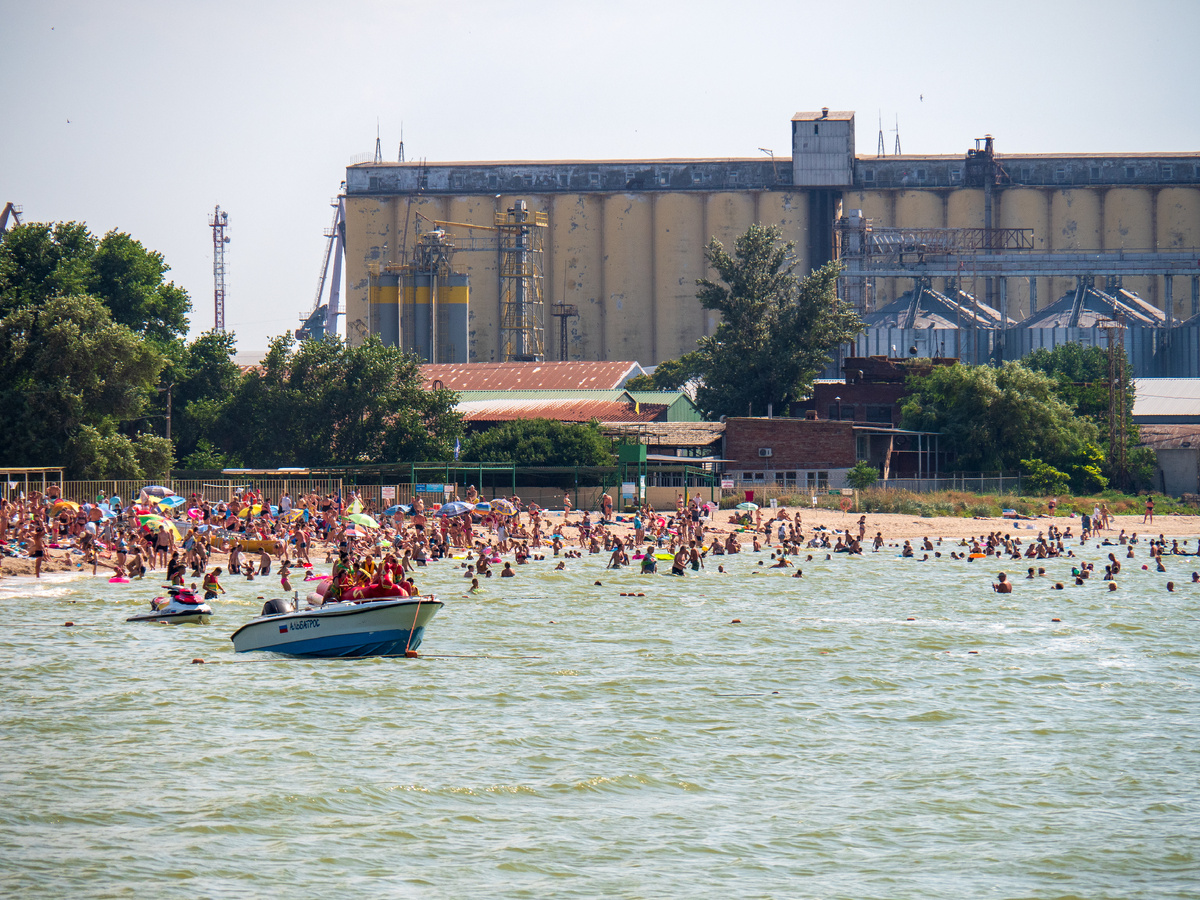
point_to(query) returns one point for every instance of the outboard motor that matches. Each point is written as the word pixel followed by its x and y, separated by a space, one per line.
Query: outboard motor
pixel 277 607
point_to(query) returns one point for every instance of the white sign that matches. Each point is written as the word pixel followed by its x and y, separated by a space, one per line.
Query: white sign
pixel 847 492
pixel 387 493
pixel 774 503
pixel 627 489
pixel 726 484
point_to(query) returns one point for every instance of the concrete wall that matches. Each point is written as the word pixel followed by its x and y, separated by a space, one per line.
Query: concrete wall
pixel 1179 471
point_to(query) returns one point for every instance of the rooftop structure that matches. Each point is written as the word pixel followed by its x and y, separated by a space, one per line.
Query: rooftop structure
pixel 543 376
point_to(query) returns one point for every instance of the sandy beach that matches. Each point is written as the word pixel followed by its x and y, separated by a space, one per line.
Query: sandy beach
pixel 894 527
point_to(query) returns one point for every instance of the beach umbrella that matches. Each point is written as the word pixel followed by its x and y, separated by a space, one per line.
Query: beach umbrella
pixel 250 511
pixel 483 507
pixel 156 490
pixel 503 507
pixel 171 502
pixel 60 505
pixel 362 519
pixel 152 522
pixel 399 507
pixel 355 532
pixel 454 508
pixel 294 515
pixel 749 506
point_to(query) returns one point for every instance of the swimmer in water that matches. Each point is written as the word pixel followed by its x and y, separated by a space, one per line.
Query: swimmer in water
pixel 1004 587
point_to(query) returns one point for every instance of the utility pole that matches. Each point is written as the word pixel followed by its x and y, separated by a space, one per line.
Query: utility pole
pixel 1118 435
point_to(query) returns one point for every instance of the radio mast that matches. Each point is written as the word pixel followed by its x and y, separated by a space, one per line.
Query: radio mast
pixel 219 222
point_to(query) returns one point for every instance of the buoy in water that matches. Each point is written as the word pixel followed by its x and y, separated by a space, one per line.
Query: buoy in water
pixel 736 622
pixel 197 661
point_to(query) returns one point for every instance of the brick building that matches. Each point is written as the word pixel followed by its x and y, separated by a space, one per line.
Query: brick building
pixel 871 394
pixel 814 454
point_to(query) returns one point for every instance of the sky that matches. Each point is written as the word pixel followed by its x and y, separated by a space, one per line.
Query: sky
pixel 142 116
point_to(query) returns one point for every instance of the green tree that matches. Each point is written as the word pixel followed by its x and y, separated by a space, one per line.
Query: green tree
pixel 541 442
pixel 39 261
pixel 777 331
pixel 326 403
pixel 203 379
pixel 862 475
pixel 670 374
pixel 65 365
pixel 992 418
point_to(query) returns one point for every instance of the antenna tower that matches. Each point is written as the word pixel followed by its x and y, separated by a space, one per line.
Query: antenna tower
pixel 218 222
pixel 378 145
pixel 401 158
pixel 881 151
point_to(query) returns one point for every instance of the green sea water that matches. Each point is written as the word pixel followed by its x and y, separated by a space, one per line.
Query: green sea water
pixel 880 728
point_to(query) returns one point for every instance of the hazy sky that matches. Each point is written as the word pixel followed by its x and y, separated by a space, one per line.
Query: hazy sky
pixel 142 116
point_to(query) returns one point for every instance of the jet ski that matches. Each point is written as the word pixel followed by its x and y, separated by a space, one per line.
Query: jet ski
pixel 182 607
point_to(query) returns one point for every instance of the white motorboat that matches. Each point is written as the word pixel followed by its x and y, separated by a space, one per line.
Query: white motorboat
pixel 182 608
pixel 381 627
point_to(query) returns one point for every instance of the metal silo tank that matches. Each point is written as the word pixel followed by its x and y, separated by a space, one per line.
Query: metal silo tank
pixel 1177 212
pixel 482 268
pixel 1074 225
pixel 1026 208
pixel 576 272
pixel 628 278
pixel 1129 225
pixel 728 215
pixel 678 261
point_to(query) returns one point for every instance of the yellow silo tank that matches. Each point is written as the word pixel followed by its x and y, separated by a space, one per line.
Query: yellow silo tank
pixel 789 211
pixel 1075 219
pixel 628 278
pixel 1129 225
pixel 1026 208
pixel 368 228
pixel 678 251
pixel 577 271
pixel 727 216
pixel 1177 211
pixel 964 209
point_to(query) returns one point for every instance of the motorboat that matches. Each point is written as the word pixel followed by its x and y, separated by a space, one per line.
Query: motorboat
pixel 182 607
pixel 375 627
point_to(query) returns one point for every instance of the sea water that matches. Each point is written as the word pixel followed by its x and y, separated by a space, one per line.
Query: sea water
pixel 880 728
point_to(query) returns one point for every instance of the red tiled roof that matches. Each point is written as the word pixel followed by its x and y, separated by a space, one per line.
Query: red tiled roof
pixel 562 410
pixel 541 376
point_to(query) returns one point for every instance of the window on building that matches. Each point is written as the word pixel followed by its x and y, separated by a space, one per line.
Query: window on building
pixel 1061 175
pixel 921 174
pixel 879 413
pixel 1130 172
pixel 862 447
pixel 423 181
pixel 816 128
pixel 373 183
pixel 664 179
pixel 733 177
pixel 1095 173
pixel 564 180
pixel 696 176
pixel 848 412
pixel 956 176
pixel 1168 173
pixel 493 182
pixel 835 412
pixel 869 175
pixel 594 179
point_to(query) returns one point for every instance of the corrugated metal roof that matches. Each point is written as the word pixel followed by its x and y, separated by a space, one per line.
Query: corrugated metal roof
pixel 674 434
pixel 531 375
pixel 1174 397
pixel 563 409
pixel 1171 437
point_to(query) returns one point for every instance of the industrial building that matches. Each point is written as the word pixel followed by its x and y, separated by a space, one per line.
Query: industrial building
pixel 598 260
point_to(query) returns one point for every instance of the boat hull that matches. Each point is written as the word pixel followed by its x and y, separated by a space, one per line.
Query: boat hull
pixel 192 617
pixel 341 630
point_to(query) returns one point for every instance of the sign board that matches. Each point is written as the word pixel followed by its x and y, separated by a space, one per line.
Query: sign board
pixel 387 493
pixel 627 488
pixel 847 492
pixel 774 503
pixel 726 484
pixel 429 488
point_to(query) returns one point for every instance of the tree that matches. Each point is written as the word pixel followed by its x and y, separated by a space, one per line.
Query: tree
pixel 541 442
pixel 39 261
pixel 777 331
pixel 203 379
pixel 65 365
pixel 670 374
pixel 992 418
pixel 862 475
pixel 327 403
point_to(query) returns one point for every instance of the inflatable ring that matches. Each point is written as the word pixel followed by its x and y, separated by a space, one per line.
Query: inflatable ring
pixel 845 504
